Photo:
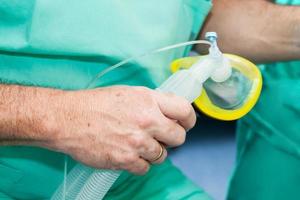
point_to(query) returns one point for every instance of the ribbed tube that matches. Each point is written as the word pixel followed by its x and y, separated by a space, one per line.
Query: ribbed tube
pixel 85 183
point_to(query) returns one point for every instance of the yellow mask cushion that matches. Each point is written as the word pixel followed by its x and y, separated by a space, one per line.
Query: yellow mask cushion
pixel 205 105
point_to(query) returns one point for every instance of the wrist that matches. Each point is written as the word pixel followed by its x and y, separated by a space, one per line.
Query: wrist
pixel 37 116
pixel 64 111
pixel 51 117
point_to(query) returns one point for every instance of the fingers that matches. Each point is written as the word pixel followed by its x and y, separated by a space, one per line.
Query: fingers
pixel 161 156
pixel 150 153
pixel 171 133
pixel 146 147
pixel 177 108
pixel 139 167
pixel 153 152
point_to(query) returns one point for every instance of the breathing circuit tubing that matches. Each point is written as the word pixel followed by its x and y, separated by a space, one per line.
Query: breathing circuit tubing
pixel 85 183
pixel 123 62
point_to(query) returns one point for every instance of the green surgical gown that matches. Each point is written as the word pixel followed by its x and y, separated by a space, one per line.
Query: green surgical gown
pixel 64 44
pixel 268 158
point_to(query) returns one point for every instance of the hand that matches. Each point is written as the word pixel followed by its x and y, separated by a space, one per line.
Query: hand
pixel 119 127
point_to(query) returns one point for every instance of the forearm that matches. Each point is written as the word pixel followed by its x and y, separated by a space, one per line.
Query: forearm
pixel 256 29
pixel 25 117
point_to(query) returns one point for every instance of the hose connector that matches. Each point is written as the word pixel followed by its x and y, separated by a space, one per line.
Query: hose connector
pixel 211 37
pixel 223 70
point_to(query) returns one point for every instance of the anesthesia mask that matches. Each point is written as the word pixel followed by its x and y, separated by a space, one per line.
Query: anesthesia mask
pixel 223 86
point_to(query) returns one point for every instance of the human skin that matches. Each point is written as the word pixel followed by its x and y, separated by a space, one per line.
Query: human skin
pixel 116 127
pixel 256 29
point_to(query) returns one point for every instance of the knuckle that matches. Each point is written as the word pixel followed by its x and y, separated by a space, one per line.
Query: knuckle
pixel 147 95
pixel 129 159
pixel 180 138
pixel 169 128
pixel 170 95
pixel 137 141
pixel 145 122
pixel 144 92
pixel 186 110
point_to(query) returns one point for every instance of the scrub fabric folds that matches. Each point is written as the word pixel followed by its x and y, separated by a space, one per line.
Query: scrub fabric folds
pixel 268 159
pixel 64 44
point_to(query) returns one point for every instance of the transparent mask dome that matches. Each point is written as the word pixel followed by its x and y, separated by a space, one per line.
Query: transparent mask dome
pixel 230 94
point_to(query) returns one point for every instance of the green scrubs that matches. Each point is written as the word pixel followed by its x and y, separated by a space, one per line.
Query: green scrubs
pixel 268 158
pixel 64 44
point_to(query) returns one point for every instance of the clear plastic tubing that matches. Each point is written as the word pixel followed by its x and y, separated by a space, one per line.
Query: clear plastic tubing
pixel 85 183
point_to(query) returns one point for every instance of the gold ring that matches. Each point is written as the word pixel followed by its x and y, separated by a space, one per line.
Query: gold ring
pixel 159 155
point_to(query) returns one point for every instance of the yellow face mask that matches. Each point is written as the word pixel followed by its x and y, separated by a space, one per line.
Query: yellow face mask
pixel 232 99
